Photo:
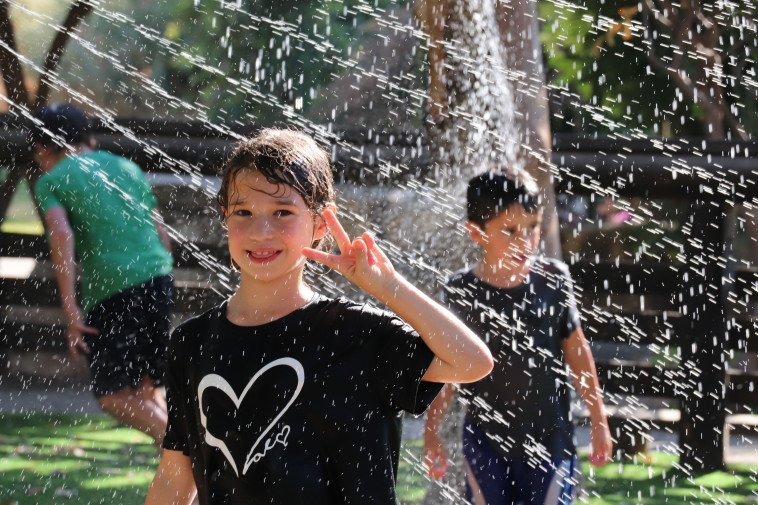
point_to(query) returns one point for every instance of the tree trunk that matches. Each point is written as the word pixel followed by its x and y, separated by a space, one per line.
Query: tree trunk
pixel 519 36
pixel 13 78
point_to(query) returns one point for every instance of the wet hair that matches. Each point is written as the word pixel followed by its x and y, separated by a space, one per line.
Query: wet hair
pixel 285 158
pixel 496 189
pixel 58 124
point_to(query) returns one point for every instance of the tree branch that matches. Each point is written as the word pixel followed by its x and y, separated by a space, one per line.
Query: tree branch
pixel 10 66
pixel 79 10
pixel 666 12
pixel 684 27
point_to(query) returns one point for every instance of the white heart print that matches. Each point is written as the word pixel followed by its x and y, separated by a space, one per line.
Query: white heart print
pixel 218 382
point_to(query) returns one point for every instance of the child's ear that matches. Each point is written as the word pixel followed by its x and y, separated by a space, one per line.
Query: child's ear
pixel 476 232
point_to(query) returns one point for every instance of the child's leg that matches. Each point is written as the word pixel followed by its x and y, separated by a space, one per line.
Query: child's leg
pixel 489 480
pixel 153 393
pixel 134 408
pixel 128 353
pixel 553 484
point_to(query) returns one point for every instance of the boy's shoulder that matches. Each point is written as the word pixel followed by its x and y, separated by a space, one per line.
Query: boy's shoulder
pixel 461 278
pixel 551 267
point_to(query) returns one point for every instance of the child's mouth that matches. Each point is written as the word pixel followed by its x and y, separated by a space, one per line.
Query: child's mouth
pixel 520 258
pixel 263 256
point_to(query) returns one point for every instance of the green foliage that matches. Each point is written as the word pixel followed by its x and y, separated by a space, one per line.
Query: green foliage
pixel 260 60
pixel 248 60
pixel 614 87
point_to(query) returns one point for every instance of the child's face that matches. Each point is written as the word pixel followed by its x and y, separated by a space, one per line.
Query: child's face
pixel 510 238
pixel 268 226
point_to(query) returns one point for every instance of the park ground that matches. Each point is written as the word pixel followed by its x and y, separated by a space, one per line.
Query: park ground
pixel 57 447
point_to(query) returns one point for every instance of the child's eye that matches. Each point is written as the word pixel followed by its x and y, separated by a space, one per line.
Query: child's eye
pixel 282 213
pixel 242 212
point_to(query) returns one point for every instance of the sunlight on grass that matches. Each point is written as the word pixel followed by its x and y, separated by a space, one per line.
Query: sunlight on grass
pixel 40 467
pixel 133 477
pixel 659 482
pixel 23 227
pixel 87 459
pixel 116 435
pixel 90 460
pixel 21 216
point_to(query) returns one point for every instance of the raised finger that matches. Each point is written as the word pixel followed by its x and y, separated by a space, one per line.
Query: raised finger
pixel 375 253
pixel 338 232
pixel 83 346
pixel 89 329
pixel 73 349
pixel 330 260
pixel 361 251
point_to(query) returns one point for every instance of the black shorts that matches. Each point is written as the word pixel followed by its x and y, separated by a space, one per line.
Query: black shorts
pixel 134 327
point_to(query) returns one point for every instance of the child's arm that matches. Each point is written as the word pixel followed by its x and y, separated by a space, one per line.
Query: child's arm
pixel 460 355
pixel 173 483
pixel 161 229
pixel 434 451
pixel 578 356
pixel 62 252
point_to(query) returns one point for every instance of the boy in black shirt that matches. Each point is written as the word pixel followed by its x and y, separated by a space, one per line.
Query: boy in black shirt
pixel 517 435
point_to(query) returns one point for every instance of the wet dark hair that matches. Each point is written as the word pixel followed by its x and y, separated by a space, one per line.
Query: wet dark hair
pixel 58 124
pixel 286 157
pixel 493 191
pixel 283 157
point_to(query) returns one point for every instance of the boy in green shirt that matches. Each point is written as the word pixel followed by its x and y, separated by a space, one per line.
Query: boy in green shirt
pixel 101 207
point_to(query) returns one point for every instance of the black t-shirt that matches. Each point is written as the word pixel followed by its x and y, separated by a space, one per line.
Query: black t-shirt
pixel 523 404
pixel 303 410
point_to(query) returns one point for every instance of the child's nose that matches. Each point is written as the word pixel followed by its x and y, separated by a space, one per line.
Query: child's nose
pixel 260 228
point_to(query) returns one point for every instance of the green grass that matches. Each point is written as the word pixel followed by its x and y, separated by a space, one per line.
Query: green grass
pixel 89 460
pixel 651 480
pixel 657 481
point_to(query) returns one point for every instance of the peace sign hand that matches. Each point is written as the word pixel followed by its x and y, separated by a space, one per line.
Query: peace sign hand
pixel 360 260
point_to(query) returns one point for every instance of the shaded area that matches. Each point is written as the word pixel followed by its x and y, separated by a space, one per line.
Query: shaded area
pixel 51 458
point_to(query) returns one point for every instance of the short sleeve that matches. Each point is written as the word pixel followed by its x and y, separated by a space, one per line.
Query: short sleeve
pixel 573 322
pixel 44 192
pixel 177 399
pixel 403 360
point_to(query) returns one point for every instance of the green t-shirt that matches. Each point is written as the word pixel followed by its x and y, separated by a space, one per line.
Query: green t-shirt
pixel 108 202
